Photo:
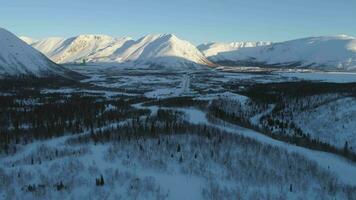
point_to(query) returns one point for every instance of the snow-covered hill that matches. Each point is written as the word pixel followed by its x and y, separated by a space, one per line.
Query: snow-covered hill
pixel 213 48
pixel 331 53
pixel 160 50
pixel 19 59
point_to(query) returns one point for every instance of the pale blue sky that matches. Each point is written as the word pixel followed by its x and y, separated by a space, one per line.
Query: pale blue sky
pixel 194 20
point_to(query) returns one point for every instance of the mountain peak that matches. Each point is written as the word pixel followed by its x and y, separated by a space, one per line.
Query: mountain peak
pixel 166 36
pixel 345 36
pixel 92 37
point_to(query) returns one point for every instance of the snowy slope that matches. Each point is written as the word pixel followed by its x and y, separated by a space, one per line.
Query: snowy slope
pixel 48 46
pixel 333 122
pixel 332 53
pixel 213 48
pixel 161 50
pixel 28 40
pixel 18 58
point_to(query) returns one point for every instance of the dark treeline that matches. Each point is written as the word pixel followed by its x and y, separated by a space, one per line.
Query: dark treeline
pixel 176 102
pixel 20 83
pixel 276 92
pixel 167 122
pixel 29 117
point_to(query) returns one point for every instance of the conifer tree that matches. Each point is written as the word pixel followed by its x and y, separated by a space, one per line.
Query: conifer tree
pixel 346 148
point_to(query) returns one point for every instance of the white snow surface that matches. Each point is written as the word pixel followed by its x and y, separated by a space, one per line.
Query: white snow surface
pixel 333 122
pixel 28 40
pixel 213 48
pixel 18 58
pixel 326 52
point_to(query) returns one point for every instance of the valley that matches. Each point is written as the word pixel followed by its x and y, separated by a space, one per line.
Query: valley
pixel 177 100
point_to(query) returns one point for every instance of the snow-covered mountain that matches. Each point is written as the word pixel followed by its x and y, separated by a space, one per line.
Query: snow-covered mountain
pixel 159 50
pixel 330 53
pixel 213 48
pixel 19 59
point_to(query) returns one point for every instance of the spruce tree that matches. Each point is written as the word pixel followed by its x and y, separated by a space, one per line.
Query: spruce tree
pixel 101 180
pixel 346 148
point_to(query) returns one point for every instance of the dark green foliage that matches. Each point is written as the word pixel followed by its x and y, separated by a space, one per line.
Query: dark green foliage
pixel 100 181
pixel 346 149
pixel 60 186
pixel 30 115
pixel 178 148
pixel 21 83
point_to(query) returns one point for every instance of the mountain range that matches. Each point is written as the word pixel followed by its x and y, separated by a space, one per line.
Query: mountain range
pixel 169 51
pixel 159 50
pixel 17 57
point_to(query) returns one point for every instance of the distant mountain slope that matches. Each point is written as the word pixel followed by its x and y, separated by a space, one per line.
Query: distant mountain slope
pixel 28 40
pixel 330 53
pixel 19 59
pixel 48 46
pixel 160 50
pixel 75 49
pixel 213 48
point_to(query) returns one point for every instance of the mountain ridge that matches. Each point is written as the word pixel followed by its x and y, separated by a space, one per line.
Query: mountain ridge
pixel 321 52
pixel 213 48
pixel 153 50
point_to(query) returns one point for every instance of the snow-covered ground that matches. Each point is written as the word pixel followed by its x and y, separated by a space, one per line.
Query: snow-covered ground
pixel 203 168
pixel 159 172
pixel 343 168
pixel 332 122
